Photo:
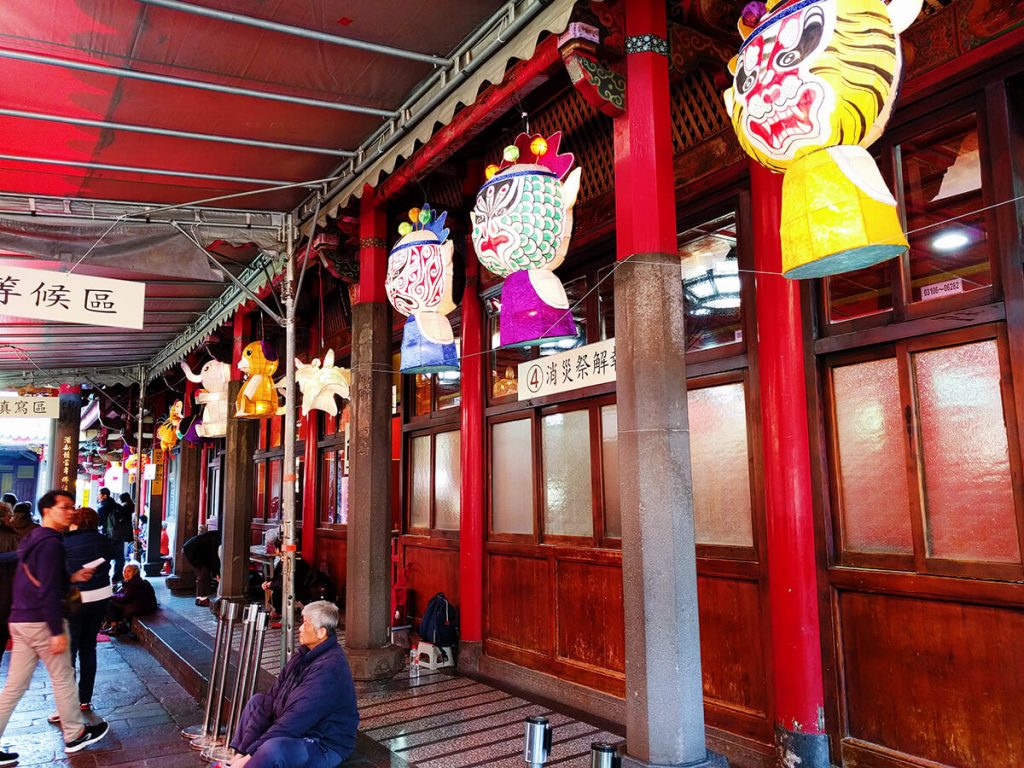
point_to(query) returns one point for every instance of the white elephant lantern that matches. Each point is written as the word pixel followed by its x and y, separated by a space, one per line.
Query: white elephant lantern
pixel 214 378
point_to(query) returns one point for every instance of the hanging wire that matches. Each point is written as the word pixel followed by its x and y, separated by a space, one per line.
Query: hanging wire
pixel 675 268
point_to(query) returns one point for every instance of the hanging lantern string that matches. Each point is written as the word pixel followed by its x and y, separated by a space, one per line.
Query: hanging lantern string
pixel 633 260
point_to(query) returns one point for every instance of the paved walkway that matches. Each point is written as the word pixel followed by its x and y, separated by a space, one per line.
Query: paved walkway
pixel 431 719
pixel 139 699
pixel 428 720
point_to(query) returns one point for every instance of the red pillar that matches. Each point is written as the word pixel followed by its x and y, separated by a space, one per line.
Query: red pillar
pixel 310 500
pixel 471 534
pixel 792 578
pixel 664 708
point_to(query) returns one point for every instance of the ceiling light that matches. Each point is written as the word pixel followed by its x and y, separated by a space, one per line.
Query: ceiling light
pixel 950 241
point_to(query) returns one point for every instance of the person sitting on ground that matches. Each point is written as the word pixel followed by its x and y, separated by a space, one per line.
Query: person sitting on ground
pixel 202 553
pixel 309 716
pixel 133 597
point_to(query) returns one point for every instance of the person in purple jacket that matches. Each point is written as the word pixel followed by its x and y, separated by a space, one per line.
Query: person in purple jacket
pixel 309 716
pixel 38 628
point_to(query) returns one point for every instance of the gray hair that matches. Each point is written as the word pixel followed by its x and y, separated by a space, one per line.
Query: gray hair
pixel 322 614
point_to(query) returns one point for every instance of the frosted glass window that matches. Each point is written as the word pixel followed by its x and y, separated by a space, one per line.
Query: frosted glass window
pixel 419 485
pixel 874 498
pixel 511 477
pixel 610 467
pixel 721 474
pixel 447 481
pixel 568 494
pixel 969 511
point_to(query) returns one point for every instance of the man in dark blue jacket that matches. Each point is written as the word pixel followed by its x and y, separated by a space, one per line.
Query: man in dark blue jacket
pixel 38 628
pixel 309 717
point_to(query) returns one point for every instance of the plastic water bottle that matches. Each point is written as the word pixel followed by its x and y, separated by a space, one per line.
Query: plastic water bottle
pixel 414 662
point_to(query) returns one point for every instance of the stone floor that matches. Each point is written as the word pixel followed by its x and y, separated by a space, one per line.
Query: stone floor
pixel 430 719
pixel 139 699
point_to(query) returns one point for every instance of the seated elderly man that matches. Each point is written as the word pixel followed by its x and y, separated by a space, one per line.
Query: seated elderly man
pixel 309 717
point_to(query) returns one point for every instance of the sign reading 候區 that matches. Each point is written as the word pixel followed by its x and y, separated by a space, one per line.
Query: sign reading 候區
pixel 29 407
pixel 71 298
pixel 575 369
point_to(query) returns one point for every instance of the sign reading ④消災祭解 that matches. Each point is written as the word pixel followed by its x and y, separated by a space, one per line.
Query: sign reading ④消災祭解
pixel 71 298
pixel 574 369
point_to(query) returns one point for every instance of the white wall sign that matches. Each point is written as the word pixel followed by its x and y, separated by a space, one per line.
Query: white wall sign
pixel 945 288
pixel 71 298
pixel 29 407
pixel 566 371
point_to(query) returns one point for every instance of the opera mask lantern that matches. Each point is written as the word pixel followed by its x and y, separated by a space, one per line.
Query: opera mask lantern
pixel 522 222
pixel 814 84
pixel 258 398
pixel 420 285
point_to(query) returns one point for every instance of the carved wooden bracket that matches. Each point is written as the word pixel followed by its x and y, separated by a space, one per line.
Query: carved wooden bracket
pixel 602 88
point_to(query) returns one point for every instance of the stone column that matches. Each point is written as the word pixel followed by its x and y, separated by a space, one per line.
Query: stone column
pixel 664 697
pixel 187 515
pixel 368 561
pixel 235 517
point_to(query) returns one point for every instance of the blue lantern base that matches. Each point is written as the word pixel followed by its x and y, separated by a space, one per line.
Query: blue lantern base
pixel 423 355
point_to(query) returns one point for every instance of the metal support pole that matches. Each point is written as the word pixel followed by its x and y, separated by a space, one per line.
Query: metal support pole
pixel 136 555
pixel 230 616
pixel 223 752
pixel 288 489
pixel 260 634
pixel 194 731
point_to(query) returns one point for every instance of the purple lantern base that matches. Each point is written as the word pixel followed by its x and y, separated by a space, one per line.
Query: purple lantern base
pixel 526 319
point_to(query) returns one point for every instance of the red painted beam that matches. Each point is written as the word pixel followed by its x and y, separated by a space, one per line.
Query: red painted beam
pixel 520 80
pixel 473 526
pixel 373 255
pixel 792 575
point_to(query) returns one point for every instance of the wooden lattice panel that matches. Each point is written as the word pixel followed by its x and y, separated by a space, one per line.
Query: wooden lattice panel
pixel 586 133
pixel 698 111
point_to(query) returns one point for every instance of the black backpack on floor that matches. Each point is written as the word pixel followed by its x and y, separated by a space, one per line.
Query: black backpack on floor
pixel 440 623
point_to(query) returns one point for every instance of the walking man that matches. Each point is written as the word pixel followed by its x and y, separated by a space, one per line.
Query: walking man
pixel 38 628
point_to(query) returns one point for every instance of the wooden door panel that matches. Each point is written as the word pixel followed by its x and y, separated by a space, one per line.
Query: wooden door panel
pixel 429 570
pixel 590 617
pixel 731 647
pixel 520 602
pixel 938 681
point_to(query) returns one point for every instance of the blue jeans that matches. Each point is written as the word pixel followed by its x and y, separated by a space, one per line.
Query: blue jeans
pixel 289 753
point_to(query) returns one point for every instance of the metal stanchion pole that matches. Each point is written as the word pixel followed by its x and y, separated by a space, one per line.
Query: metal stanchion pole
pixel 195 731
pixel 260 637
pixel 231 612
pixel 224 751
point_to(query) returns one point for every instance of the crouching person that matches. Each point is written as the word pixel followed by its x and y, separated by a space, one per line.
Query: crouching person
pixel 133 597
pixel 309 716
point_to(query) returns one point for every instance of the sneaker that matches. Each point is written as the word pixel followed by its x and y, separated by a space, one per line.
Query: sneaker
pixel 86 707
pixel 90 735
pixel 54 719
pixel 203 601
pixel 8 758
